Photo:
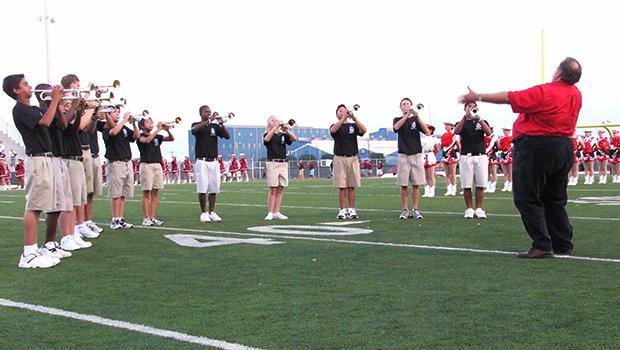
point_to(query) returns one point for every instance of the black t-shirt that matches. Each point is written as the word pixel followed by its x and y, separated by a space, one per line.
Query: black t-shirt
pixel 206 140
pixel 56 137
pixel 345 139
pixel 71 141
pixel 409 137
pixel 93 142
pixel 116 147
pixel 472 138
pixel 150 152
pixel 36 137
pixel 276 147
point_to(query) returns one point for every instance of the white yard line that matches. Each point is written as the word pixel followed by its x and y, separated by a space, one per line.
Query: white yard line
pixel 220 344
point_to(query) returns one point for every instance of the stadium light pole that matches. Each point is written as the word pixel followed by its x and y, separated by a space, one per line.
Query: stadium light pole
pixel 48 20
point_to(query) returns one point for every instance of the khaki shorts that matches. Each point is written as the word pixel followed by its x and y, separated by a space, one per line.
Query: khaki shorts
pixel 97 178
pixel 410 170
pixel 207 176
pixel 120 179
pixel 346 172
pixel 64 197
pixel 151 176
pixel 277 174
pixel 39 184
pixel 88 170
pixel 78 181
pixel 474 171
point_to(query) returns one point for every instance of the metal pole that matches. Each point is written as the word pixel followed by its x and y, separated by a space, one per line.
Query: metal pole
pixel 47 20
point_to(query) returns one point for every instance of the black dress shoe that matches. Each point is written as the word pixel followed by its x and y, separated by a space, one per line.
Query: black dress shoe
pixel 566 252
pixel 534 253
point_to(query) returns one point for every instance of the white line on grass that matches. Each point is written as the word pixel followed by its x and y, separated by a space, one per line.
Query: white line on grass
pixel 126 325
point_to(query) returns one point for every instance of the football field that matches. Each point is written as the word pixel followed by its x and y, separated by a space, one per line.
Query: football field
pixel 313 282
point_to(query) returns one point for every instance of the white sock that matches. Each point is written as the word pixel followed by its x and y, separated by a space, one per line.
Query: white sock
pixel 30 249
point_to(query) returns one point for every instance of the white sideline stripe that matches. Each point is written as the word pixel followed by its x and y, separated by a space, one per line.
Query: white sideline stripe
pixel 385 244
pixel 126 325
pixel 401 245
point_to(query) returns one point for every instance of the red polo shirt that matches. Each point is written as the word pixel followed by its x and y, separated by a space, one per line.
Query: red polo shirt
pixel 546 110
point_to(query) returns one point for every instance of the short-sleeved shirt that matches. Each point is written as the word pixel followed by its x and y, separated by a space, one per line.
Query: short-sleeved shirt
pixel 345 139
pixel 72 147
pixel 472 137
pixel 56 137
pixel 90 139
pixel 206 140
pixel 36 137
pixel 549 109
pixel 408 136
pixel 150 152
pixel 276 147
pixel 117 146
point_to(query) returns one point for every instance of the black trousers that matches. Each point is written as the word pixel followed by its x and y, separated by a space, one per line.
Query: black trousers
pixel 540 175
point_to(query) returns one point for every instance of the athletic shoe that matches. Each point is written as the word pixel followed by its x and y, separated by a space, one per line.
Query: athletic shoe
pixel 49 252
pixel 124 224
pixel 214 217
pixel 342 214
pixel 269 216
pixel 352 213
pixel 32 261
pixel 480 213
pixel 93 227
pixel 157 222
pixel 85 232
pixel 63 253
pixel 404 214
pixel 204 217
pixel 68 243
pixel 147 222
pixel 279 216
pixel 82 243
pixel 469 213
pixel 115 224
pixel 415 214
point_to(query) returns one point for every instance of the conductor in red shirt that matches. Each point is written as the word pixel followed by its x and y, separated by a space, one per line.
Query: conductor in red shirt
pixel 547 118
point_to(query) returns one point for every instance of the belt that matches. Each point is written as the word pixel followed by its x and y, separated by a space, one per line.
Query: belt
pixel 120 160
pixel 473 154
pixel 277 160
pixel 95 155
pixel 44 154
pixel 80 158
pixel 347 155
pixel 85 147
pixel 205 159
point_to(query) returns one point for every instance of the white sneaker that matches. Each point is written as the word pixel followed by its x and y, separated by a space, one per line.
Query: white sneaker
pixel 342 214
pixel 157 222
pixel 115 224
pixel 269 216
pixel 32 261
pixel 124 224
pixel 147 222
pixel 204 217
pixel 49 252
pixel 62 252
pixel 279 216
pixel 214 217
pixel 427 191
pixel 480 213
pixel 68 243
pixel 404 214
pixel 431 193
pixel 352 213
pixel 469 213
pixel 93 227
pixel 78 239
pixel 85 232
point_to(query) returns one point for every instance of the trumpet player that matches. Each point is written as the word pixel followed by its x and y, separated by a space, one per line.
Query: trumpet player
pixel 276 137
pixel 409 127
pixel 206 169
pixel 473 163
pixel 151 173
pixel 346 163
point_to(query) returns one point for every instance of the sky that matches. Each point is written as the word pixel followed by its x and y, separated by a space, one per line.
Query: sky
pixel 300 59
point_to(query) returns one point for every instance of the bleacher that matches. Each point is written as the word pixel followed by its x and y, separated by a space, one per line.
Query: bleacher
pixel 12 141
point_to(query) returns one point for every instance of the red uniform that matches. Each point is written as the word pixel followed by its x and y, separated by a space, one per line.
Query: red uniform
pixel 234 165
pixel 243 164
pixel 164 167
pixel 576 150
pixel 505 150
pixel 136 167
pixel 6 175
pixel 174 166
pixel 491 147
pixel 614 153
pixel 602 148
pixel 187 166
pixel 222 167
pixel 588 149
pixel 20 170
pixel 448 144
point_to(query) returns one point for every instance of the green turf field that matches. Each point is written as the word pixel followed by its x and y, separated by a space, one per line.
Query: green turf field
pixel 390 288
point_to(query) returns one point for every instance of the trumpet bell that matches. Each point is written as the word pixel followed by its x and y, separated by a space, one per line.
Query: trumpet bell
pixel 356 107
pixel 177 120
pixel 291 122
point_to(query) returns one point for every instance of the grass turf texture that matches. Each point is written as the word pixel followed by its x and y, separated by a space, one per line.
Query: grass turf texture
pixel 322 295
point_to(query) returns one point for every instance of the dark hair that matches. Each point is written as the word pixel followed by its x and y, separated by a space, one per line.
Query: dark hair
pixel 68 79
pixel 201 109
pixel 405 99
pixel 340 105
pixel 571 70
pixel 43 86
pixel 10 83
pixel 466 103
pixel 142 121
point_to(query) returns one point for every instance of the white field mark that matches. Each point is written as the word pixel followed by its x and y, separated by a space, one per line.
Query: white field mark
pixel 344 222
pixel 386 244
pixel 220 344
pixel 311 230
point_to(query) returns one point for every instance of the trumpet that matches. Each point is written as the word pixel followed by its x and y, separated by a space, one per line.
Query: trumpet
pixel 473 114
pixel 288 125
pixel 350 114
pixel 103 89
pixel 415 111
pixel 68 94
pixel 171 124
pixel 135 118
pixel 223 119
